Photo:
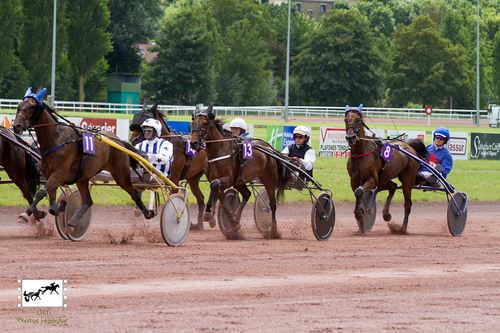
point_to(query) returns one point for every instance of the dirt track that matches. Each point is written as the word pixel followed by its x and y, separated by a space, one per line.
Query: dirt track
pixel 122 276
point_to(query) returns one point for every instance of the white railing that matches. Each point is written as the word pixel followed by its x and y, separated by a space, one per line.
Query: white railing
pixel 302 111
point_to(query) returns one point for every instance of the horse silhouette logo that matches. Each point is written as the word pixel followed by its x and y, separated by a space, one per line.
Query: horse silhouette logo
pixel 29 296
pixel 42 293
pixel 53 288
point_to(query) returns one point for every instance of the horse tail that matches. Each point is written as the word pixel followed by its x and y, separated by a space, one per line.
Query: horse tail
pixel 32 173
pixel 134 164
pixel 419 147
pixel 284 177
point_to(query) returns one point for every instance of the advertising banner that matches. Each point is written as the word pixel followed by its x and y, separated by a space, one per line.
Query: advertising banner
pixel 458 145
pixel 179 126
pixel 332 142
pixel 485 146
pixel 280 137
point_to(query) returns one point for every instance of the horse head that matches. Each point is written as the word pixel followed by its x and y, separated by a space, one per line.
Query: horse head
pixel 146 113
pixel 353 124
pixel 29 111
pixel 200 127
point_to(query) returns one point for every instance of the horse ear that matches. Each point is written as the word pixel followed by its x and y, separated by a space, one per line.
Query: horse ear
pixel 40 94
pixel 211 116
pixel 144 104
pixel 210 108
pixel 360 107
pixel 155 105
pixel 28 92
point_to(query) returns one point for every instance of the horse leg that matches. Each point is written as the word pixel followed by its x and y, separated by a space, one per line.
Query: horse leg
pixel 235 226
pixel 391 187
pixel 407 195
pixel 83 187
pixel 122 179
pixel 359 191
pixel 194 184
pixel 245 193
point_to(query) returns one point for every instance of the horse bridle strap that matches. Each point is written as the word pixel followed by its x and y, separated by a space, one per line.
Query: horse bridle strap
pixel 362 155
pixel 220 158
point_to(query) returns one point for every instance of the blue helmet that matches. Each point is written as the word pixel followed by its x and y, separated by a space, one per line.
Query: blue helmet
pixel 443 131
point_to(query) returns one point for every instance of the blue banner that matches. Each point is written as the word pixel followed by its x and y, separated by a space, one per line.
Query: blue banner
pixel 179 126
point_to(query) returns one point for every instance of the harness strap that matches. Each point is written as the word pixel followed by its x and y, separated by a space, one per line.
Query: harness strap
pixel 220 158
pixel 362 155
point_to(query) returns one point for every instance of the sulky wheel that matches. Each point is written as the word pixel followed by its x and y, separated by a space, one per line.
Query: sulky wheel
pixel 80 231
pixel 369 218
pixel 323 217
pixel 232 201
pixel 456 223
pixel 174 230
pixel 61 219
pixel 262 214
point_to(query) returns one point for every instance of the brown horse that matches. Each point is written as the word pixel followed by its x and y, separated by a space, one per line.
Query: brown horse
pixel 64 161
pixel 368 169
pixel 226 167
pixel 21 166
pixel 184 166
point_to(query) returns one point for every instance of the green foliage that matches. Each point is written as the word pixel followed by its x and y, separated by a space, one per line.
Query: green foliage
pixel 131 21
pixel 340 63
pixel 426 66
pixel 9 10
pixel 35 47
pixel 182 73
pixel 88 41
pixel 17 80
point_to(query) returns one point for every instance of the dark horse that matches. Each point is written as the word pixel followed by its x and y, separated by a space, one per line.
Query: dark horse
pixel 368 169
pixel 64 161
pixel 184 166
pixel 21 167
pixel 225 167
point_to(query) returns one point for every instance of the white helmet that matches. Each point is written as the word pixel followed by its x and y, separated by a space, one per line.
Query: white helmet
pixel 302 130
pixel 153 123
pixel 238 122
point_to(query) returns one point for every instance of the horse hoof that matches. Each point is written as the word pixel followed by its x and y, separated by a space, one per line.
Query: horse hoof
pixel 361 231
pixel 387 217
pixel 207 216
pixel 41 215
pixel 23 218
pixel 68 229
pixel 151 214
pixel 359 192
pixel 212 223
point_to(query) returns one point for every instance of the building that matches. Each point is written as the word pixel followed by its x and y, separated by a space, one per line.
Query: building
pixel 144 50
pixel 313 8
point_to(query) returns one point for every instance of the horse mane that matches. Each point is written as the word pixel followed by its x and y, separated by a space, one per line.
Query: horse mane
pixel 50 111
pixel 219 124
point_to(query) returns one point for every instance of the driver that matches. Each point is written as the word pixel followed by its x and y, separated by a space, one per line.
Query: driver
pixel 238 126
pixel 300 152
pixel 439 158
pixel 160 151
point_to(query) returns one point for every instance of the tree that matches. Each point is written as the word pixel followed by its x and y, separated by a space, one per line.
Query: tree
pixel 36 38
pixel 339 64
pixel 436 10
pixel 88 41
pixel 244 52
pixel 182 71
pixel 9 10
pixel 15 81
pixel 427 67
pixel 131 21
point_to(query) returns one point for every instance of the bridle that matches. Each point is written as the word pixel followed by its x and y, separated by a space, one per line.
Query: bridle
pixel 197 128
pixel 36 114
pixel 356 128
